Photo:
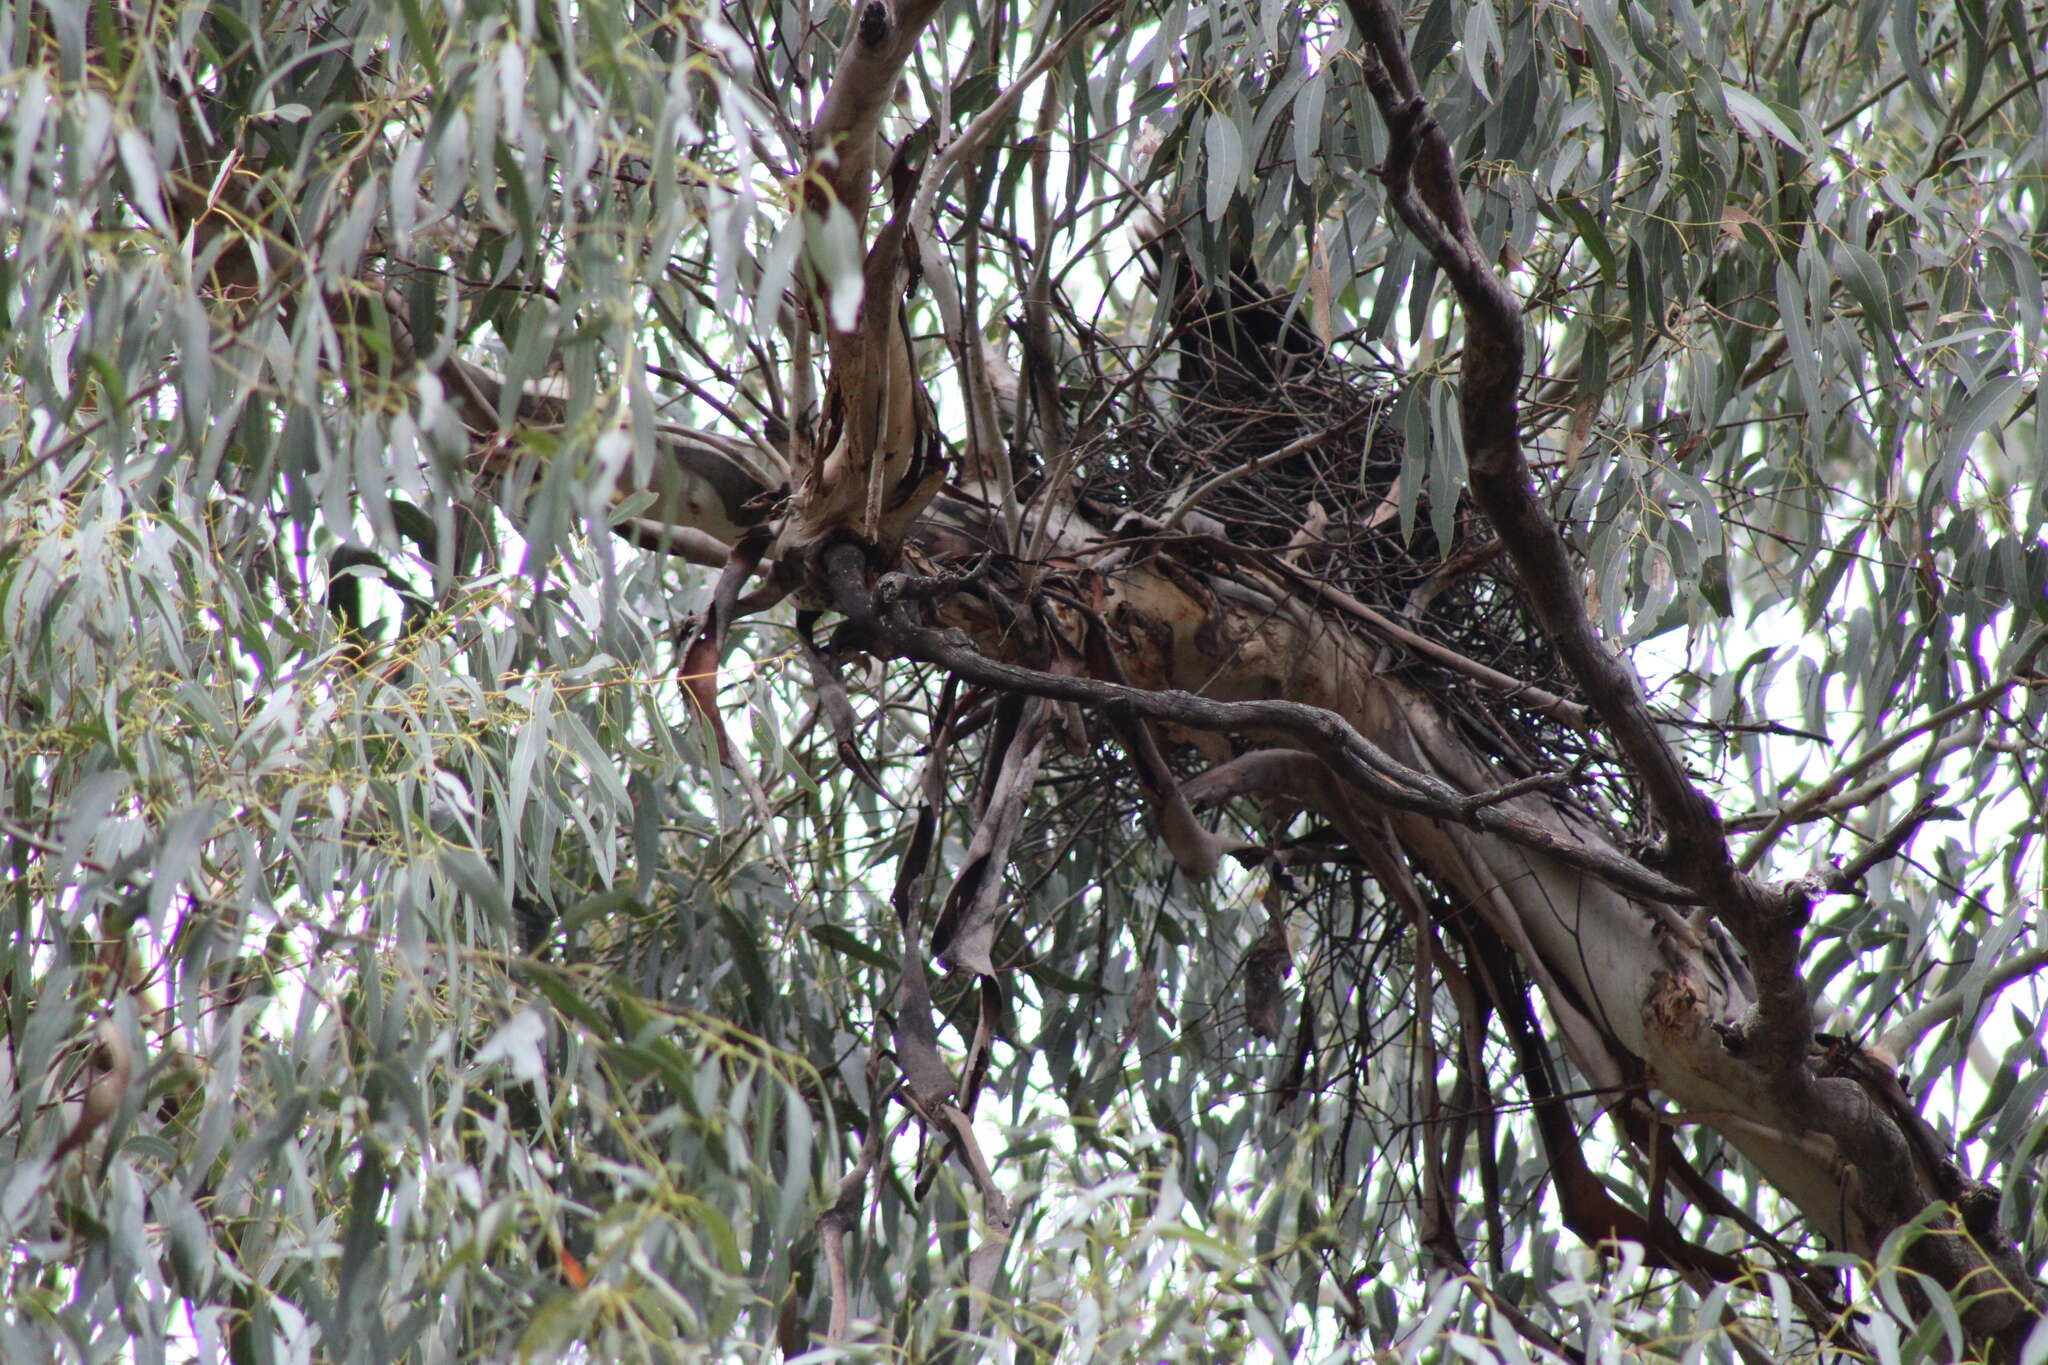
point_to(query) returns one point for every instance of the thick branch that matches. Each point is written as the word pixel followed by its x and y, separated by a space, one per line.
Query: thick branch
pixel 1512 689
pixel 870 63
pixel 889 628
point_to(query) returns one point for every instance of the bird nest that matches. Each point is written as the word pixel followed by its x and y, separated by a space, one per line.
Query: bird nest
pixel 1305 469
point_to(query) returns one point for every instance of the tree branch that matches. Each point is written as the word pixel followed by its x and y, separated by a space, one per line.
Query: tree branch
pixel 1896 1041
pixel 842 136
pixel 1510 688
pixel 1348 753
pixel 1891 744
pixel 844 1217
pixel 1888 845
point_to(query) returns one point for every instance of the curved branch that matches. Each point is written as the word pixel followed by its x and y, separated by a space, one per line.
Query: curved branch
pixel 1420 176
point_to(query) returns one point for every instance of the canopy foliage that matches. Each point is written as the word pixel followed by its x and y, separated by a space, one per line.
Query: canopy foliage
pixel 706 680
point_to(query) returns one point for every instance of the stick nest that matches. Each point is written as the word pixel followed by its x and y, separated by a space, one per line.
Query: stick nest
pixel 1334 512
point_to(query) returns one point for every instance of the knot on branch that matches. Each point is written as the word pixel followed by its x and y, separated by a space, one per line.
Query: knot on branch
pixel 874 25
pixel 1788 910
pixel 892 588
pixel 1408 122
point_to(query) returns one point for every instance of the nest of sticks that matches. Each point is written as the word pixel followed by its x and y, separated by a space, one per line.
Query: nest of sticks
pixel 1298 455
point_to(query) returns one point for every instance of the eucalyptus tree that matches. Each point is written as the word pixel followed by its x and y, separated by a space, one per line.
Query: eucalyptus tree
pixel 1103 680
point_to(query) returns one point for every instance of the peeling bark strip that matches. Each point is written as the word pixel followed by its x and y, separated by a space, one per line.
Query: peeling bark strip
pixel 965 932
pixel 875 462
pixel 700 662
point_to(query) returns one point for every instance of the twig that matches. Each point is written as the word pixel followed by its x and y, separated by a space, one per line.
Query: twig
pixel 1299 446
pixel 1741 727
pixel 1901 1037
pixel 976 134
pixel 1534 783
pixel 1887 845
pixel 1856 797
pixel 1509 688
pixel 1877 753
